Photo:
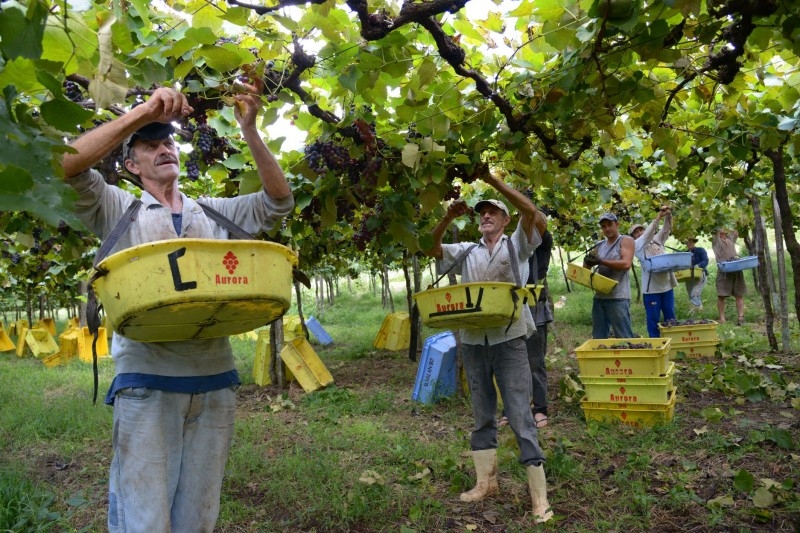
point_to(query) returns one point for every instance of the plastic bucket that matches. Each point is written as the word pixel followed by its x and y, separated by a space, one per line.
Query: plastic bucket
pixel 668 262
pixel 478 305
pixel 737 265
pixel 195 288
pixel 588 278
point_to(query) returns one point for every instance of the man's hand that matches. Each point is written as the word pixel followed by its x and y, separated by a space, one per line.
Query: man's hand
pixel 591 260
pixel 248 104
pixel 458 208
pixel 166 105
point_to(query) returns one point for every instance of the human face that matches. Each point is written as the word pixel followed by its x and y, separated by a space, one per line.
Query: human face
pixel 155 160
pixel 493 221
pixel 610 229
pixel 637 233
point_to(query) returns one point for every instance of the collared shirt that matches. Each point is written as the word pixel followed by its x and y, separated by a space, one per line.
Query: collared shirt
pixel 651 243
pixel 100 206
pixel 481 265
pixel 724 247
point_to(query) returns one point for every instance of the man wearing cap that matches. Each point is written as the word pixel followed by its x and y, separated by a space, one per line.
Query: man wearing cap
pixel 658 292
pixel 695 284
pixel 174 402
pixel 499 353
pixel 613 257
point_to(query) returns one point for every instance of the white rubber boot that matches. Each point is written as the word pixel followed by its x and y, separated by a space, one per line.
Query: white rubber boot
pixel 486 471
pixel 537 484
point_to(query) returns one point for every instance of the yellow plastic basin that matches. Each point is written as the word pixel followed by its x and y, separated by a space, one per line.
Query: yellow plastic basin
pixel 478 305
pixel 588 278
pixel 535 291
pixel 195 288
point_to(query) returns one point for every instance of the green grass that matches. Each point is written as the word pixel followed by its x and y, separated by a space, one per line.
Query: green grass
pixel 361 456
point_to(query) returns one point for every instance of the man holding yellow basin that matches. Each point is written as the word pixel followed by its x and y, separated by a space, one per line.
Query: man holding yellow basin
pixel 499 353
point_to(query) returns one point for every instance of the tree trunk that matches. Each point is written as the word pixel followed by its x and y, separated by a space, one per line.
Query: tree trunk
pixel 29 305
pixel 276 345
pixel 319 289
pixel 783 290
pixel 787 220
pixel 298 294
pixel 564 269
pixel 759 236
pixel 388 291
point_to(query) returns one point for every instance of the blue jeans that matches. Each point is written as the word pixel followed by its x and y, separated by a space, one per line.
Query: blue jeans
pixel 537 348
pixel 169 459
pixel 611 314
pixel 654 306
pixel 507 363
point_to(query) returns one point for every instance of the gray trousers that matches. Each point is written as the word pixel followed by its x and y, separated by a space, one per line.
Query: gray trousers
pixel 507 363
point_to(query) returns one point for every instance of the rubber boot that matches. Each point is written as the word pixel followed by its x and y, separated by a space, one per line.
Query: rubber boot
pixel 486 471
pixel 537 484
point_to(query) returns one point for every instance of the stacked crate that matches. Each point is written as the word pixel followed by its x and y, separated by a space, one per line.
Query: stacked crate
pixel 627 380
pixel 691 338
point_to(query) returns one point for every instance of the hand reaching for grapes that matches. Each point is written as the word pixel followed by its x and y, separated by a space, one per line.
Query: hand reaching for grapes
pixel 458 208
pixel 247 105
pixel 166 105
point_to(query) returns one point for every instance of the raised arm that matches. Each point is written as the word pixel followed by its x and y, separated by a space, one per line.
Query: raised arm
pixel 269 171
pixel 530 216
pixel 454 210
pixel 165 105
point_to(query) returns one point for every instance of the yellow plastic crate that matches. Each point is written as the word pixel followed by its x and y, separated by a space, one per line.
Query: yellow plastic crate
pixel 49 324
pixel 471 305
pixel 588 278
pixel 686 274
pixel 629 389
pixel 305 365
pixel 694 349
pixel 395 333
pixel 85 340
pixel 263 361
pixel 195 288
pixel 535 291
pixel 22 333
pixel 292 327
pixel 52 360
pixel 634 362
pixel 68 344
pixel 634 415
pixel 41 342
pixel 685 333
pixel 6 344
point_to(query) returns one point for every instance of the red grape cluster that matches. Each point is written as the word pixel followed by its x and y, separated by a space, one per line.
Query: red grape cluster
pixel 328 155
pixel 454 193
pixel 625 345
pixel 672 322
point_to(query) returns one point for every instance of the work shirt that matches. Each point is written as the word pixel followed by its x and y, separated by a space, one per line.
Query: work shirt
pixel 699 258
pixel 480 265
pixel 100 207
pixel 651 243
pixel 724 248
pixel 612 251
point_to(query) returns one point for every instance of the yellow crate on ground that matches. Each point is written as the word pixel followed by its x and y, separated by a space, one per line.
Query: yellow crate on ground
pixel 292 327
pixel 643 357
pixel 52 360
pixel 305 365
pixel 588 278
pixel 22 332
pixel 75 322
pixel 263 361
pixel 693 349
pixel 629 389
pixel 690 331
pixel 6 344
pixel 40 342
pixel 85 340
pixel 68 344
pixel 395 333
pixel 635 415
pixel 47 323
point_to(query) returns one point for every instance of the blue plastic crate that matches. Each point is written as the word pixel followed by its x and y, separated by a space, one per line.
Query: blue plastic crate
pixel 318 331
pixel 436 374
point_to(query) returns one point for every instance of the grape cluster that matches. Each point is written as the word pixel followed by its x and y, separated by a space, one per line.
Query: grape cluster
pixel 672 322
pixel 454 193
pixel 193 166
pixel 205 138
pixel 625 345
pixel 365 235
pixel 73 91
pixel 327 155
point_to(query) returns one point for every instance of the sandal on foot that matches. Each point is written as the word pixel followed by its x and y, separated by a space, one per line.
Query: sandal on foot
pixel 540 419
pixel 740 321
pixel 502 422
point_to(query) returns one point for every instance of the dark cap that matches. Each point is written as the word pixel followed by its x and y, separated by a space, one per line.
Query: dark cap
pixel 149 132
pixel 497 203
pixel 608 216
